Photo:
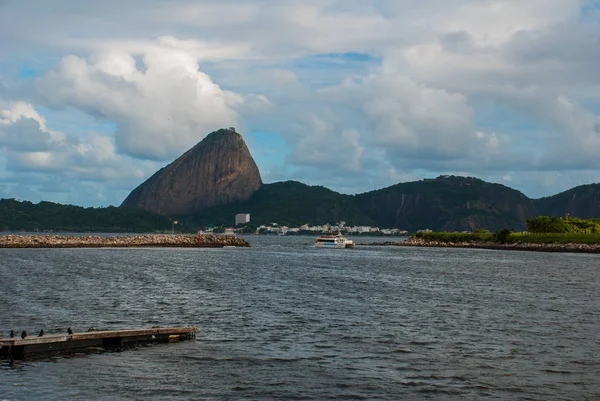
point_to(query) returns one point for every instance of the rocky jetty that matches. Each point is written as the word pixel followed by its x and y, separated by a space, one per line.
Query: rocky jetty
pixel 217 171
pixel 413 241
pixel 125 241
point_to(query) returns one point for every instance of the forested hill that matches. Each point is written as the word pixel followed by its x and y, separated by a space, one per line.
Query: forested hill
pixel 447 203
pixel 444 203
pixel 290 203
pixel 582 201
pixel 16 215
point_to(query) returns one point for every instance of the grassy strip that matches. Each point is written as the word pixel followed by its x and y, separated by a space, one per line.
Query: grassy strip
pixel 455 237
pixel 477 237
pixel 562 238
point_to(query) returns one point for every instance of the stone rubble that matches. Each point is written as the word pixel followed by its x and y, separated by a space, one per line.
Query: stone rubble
pixel 124 241
pixel 579 248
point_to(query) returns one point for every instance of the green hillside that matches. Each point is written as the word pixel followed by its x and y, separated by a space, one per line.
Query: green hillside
pixel 582 201
pixel 27 216
pixel 289 203
pixel 447 203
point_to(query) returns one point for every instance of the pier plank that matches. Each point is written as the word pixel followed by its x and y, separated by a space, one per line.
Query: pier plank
pixel 20 348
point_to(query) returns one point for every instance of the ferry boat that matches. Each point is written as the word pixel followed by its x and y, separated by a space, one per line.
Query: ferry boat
pixel 333 241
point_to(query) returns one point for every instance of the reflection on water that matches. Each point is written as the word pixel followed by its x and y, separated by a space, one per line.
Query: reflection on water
pixel 283 320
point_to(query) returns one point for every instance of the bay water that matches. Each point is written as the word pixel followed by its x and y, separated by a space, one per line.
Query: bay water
pixel 283 320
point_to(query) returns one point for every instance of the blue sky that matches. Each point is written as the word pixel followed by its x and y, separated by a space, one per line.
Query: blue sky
pixel 352 95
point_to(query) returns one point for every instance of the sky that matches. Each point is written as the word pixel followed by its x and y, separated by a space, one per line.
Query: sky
pixel 354 95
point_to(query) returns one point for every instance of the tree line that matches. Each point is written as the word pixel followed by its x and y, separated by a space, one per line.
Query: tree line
pixel 545 224
pixel 44 216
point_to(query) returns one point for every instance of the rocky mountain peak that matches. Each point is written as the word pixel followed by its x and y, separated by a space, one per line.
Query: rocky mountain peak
pixel 216 171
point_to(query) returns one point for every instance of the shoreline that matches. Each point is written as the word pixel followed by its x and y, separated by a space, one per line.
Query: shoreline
pixel 571 247
pixel 121 241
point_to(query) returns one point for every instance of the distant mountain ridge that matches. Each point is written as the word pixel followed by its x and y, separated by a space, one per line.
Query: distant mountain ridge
pixel 412 206
pixel 218 178
pixel 447 203
pixel 45 216
pixel 291 203
pixel 582 201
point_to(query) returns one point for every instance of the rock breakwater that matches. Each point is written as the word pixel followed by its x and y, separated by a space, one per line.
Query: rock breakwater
pixel 571 247
pixel 125 241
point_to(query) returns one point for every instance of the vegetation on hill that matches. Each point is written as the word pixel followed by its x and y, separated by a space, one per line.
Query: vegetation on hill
pixel 501 236
pixel 447 203
pixel 582 201
pixel 545 224
pixel 45 216
pixel 555 238
pixel 289 203
pixel 507 237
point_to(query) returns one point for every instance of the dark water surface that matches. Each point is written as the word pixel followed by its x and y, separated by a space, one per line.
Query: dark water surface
pixel 283 320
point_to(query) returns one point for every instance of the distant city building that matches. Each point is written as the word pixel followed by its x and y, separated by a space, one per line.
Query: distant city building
pixel 274 228
pixel 242 218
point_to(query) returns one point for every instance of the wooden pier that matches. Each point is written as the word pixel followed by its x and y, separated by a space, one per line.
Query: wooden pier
pixel 52 344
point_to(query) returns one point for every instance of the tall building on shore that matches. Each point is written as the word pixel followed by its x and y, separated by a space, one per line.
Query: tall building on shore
pixel 242 218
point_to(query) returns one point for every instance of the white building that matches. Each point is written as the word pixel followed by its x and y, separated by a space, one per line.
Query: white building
pixel 242 218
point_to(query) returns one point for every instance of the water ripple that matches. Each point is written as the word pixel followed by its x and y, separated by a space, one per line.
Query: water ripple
pixel 283 320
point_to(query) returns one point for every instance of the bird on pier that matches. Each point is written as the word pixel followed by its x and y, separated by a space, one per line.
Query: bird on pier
pixel 12 334
pixel 23 334
pixel 41 334
pixel 69 331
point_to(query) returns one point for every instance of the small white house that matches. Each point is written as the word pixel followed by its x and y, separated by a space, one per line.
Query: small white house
pixel 242 218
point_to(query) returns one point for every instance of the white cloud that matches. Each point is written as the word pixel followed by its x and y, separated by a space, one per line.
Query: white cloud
pixel 578 147
pixel 284 77
pixel 493 22
pixel 411 125
pixel 167 74
pixel 160 112
pixel 22 128
pixel 42 151
pixel 415 121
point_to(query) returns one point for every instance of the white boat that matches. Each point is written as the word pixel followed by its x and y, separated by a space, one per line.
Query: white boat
pixel 333 241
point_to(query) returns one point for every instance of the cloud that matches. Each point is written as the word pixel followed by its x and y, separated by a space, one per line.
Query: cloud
pixel 578 149
pixel 327 145
pixel 350 127
pixel 284 77
pixel 23 129
pixel 50 160
pixel 160 111
pixel 527 59
pixel 375 92
pixel 414 121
